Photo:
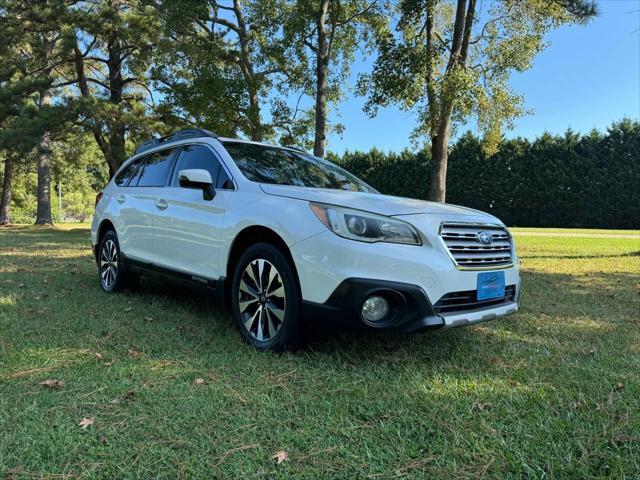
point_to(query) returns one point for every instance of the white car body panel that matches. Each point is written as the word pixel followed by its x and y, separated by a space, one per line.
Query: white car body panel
pixel 370 202
pixel 186 234
pixel 194 236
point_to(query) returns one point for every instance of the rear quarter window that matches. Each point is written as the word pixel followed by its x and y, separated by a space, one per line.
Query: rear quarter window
pixel 126 174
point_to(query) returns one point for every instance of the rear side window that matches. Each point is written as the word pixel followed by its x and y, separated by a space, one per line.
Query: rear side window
pixel 200 157
pixel 122 178
pixel 155 170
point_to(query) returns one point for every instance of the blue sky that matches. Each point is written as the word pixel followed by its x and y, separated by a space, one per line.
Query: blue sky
pixel 589 76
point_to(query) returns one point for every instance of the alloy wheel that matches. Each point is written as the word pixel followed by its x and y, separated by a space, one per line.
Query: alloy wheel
pixel 262 299
pixel 108 264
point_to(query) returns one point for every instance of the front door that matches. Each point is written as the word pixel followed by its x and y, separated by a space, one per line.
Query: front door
pixel 186 227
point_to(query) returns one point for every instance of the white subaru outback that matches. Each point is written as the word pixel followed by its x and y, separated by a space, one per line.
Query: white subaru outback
pixel 282 236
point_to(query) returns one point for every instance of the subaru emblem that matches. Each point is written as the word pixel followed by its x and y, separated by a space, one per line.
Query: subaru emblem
pixel 484 237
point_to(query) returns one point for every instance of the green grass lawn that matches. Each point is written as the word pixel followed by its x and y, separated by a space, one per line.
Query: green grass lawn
pixel 552 392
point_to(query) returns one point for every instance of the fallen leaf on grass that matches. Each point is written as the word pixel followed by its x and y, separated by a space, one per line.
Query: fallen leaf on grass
pixel 52 383
pixel 134 353
pixel 481 406
pixel 280 456
pixel 85 422
pixel 199 381
pixel 576 404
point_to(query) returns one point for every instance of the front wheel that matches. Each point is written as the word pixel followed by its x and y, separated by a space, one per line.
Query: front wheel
pixel 265 299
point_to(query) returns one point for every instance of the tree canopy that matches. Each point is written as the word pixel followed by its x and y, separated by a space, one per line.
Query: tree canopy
pixel 82 82
pixel 448 61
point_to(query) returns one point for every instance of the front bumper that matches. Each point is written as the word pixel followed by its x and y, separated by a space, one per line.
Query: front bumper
pixel 411 310
pixel 337 275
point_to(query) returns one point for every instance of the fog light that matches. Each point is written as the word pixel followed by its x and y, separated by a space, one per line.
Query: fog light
pixel 375 308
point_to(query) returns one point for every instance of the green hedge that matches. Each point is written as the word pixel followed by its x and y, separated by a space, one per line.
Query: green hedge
pixel 587 181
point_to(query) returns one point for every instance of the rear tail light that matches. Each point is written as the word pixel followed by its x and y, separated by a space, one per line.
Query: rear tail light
pixel 98 197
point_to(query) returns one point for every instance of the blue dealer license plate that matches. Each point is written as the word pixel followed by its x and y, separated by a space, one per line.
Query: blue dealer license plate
pixel 490 285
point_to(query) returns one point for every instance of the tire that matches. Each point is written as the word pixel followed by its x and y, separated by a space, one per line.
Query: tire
pixel 111 274
pixel 266 308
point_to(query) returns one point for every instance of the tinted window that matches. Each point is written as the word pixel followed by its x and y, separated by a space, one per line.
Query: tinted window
pixel 223 182
pixel 200 157
pixel 122 178
pixel 264 164
pixel 154 172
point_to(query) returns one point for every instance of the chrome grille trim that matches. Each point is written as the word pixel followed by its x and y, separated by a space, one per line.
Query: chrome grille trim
pixel 467 253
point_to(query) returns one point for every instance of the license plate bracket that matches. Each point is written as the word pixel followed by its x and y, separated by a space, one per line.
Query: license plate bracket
pixel 491 285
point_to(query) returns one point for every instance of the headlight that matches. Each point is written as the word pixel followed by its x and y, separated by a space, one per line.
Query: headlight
pixel 365 226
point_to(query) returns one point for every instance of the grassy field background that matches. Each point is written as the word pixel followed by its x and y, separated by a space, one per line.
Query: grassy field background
pixel 552 392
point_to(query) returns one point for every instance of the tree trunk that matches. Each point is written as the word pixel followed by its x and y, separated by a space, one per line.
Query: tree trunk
pixel 254 115
pixel 117 153
pixel 441 131
pixel 117 131
pixel 439 160
pixel 96 129
pixel 43 214
pixel 246 66
pixel 322 73
pixel 5 202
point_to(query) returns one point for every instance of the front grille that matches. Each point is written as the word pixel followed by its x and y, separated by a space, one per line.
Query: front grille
pixel 462 240
pixel 468 300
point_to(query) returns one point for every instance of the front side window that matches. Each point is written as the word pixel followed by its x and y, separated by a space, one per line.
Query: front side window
pixel 265 164
pixel 201 157
pixel 126 174
pixel 154 172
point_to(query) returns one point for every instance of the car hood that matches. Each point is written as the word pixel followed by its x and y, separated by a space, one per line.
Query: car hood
pixel 370 202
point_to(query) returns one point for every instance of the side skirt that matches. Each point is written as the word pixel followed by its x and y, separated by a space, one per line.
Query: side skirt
pixel 150 269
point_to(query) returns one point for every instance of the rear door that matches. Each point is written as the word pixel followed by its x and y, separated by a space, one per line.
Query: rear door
pixel 127 215
pixel 139 203
pixel 186 234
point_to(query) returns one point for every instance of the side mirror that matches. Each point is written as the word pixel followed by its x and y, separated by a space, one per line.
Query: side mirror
pixel 199 179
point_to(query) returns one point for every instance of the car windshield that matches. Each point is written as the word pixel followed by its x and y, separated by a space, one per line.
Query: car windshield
pixel 281 166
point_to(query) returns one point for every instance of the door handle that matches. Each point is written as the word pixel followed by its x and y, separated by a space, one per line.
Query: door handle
pixel 161 204
pixel 120 198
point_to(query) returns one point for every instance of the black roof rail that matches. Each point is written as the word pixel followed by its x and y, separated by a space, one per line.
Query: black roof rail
pixel 179 135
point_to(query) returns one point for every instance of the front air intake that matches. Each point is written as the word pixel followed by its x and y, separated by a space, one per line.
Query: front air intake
pixel 468 300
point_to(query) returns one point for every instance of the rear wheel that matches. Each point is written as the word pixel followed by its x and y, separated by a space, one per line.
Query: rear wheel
pixel 110 266
pixel 265 299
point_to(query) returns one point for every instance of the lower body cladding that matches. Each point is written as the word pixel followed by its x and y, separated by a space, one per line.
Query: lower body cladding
pixel 404 307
